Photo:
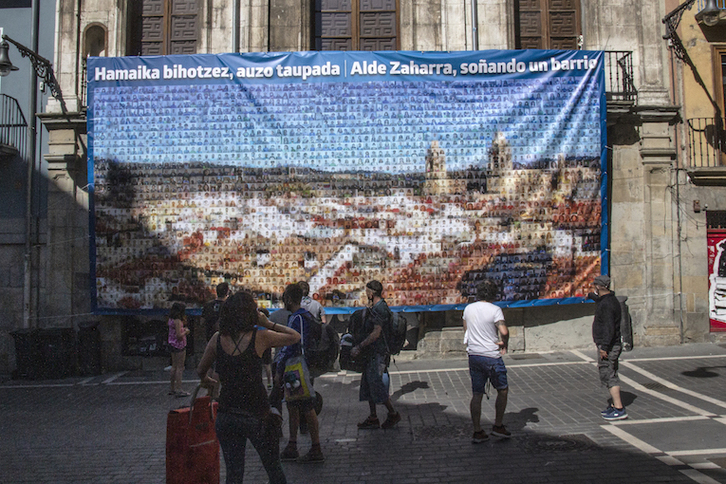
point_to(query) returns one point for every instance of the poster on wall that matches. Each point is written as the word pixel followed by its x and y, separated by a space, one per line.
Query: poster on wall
pixel 717 279
pixel 426 171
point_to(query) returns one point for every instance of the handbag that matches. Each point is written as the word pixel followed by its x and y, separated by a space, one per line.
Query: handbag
pixel 347 362
pixel 192 448
pixel 296 377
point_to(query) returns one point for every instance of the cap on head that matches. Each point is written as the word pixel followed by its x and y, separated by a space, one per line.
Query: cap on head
pixel 603 281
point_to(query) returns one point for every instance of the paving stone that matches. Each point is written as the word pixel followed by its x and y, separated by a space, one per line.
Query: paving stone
pixel 93 432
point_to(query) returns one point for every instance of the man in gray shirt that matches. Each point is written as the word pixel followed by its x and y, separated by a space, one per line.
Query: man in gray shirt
pixel 313 307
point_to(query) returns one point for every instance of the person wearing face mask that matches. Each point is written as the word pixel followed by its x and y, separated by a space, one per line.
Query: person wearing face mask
pixel 606 334
pixel 377 327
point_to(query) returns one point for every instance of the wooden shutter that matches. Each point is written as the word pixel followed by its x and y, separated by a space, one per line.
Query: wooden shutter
pixel 160 27
pixel 334 25
pixel 547 24
pixel 153 33
pixel 564 24
pixel 377 25
pixel 531 25
pixel 356 24
pixel 183 27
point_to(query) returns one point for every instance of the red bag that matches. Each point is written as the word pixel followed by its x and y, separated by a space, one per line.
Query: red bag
pixel 192 448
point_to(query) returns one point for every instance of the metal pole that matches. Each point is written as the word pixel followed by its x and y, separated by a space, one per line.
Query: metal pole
pixel 474 24
pixel 235 27
pixel 33 104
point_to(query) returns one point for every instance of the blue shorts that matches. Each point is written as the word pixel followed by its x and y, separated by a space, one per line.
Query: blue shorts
pixel 483 369
pixel 372 385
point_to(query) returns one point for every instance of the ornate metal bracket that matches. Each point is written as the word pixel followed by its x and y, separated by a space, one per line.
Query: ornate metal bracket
pixel 43 68
pixel 671 21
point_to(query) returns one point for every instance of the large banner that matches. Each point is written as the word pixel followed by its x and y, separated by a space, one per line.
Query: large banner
pixel 426 171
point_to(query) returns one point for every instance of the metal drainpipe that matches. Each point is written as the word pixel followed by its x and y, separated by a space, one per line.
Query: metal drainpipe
pixel 679 224
pixel 31 134
pixel 474 23
pixel 235 27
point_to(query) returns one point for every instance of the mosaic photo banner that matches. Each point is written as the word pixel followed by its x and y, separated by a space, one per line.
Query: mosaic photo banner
pixel 426 171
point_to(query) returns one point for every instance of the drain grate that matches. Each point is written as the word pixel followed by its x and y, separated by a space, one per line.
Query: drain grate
pixel 540 444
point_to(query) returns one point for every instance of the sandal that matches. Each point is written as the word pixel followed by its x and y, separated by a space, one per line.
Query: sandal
pixel 182 394
pixel 290 452
pixel 370 423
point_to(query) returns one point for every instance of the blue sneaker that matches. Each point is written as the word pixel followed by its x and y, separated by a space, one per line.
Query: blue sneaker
pixel 616 414
pixel 607 410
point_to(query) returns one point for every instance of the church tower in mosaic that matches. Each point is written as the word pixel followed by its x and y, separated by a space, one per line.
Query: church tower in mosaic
pixel 500 164
pixel 437 181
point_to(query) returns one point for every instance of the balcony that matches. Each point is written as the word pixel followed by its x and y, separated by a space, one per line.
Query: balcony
pixel 13 128
pixel 619 86
pixel 706 161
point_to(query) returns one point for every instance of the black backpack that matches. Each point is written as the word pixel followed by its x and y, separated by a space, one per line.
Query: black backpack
pixel 322 345
pixel 626 324
pixel 356 325
pixel 353 336
pixel 396 339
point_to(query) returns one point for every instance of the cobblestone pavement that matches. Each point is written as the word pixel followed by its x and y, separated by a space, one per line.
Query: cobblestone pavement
pixel 111 428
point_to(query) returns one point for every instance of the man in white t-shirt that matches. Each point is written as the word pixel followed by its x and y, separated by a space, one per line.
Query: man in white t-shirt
pixel 486 338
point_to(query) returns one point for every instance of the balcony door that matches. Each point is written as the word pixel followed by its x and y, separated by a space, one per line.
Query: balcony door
pixel 356 25
pixel 163 27
pixel 547 24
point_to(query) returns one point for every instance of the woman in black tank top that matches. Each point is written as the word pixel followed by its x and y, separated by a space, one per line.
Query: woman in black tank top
pixel 244 409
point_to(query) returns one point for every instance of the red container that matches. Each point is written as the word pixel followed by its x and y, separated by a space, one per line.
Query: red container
pixel 192 448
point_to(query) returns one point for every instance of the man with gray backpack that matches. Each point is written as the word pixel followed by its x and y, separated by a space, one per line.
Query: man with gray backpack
pixel 376 328
pixel 607 335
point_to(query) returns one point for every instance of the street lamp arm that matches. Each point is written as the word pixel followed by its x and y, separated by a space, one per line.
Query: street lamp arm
pixel 43 67
pixel 671 21
pixel 674 17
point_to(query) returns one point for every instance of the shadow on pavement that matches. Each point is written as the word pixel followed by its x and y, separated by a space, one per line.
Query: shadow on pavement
pixel 409 387
pixel 702 372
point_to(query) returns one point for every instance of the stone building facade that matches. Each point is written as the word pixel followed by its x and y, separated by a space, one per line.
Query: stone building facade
pixel 658 253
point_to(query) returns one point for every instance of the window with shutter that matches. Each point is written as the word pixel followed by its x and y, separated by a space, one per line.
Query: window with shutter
pixel 356 25
pixel 161 27
pixel 547 24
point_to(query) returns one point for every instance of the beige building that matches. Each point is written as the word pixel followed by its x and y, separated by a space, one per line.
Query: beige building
pixel 660 191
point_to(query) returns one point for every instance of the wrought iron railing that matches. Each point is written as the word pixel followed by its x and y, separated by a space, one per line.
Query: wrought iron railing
pixel 84 82
pixel 13 127
pixel 706 143
pixel 619 85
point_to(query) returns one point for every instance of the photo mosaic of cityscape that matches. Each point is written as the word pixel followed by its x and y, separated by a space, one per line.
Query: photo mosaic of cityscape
pixel 428 187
